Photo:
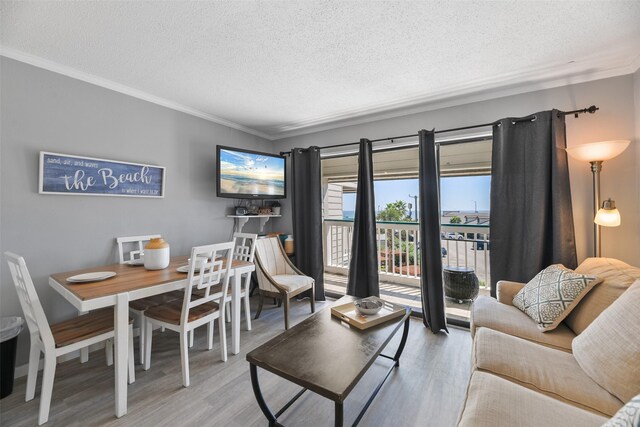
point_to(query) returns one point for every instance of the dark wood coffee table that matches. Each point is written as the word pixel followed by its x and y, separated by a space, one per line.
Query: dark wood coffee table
pixel 326 356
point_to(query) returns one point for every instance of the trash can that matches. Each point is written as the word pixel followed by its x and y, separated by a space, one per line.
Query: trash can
pixel 10 327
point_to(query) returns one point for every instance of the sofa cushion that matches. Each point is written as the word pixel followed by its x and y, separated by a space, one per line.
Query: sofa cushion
pixel 616 277
pixel 551 295
pixel 543 369
pixel 489 313
pixel 495 402
pixel 609 349
pixel 628 415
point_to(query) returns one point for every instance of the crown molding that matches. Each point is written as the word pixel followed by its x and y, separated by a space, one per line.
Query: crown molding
pixel 126 90
pixel 499 87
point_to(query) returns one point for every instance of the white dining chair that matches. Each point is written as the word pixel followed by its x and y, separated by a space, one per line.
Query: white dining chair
pixel 60 338
pixel 138 307
pixel 200 306
pixel 245 250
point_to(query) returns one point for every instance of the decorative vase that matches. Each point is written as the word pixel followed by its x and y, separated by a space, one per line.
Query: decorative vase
pixel 156 254
pixel 288 246
pixel 275 210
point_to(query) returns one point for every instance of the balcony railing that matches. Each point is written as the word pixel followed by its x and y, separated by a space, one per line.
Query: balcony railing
pixel 462 245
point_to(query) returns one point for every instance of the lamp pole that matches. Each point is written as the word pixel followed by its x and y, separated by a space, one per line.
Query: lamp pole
pixel 596 167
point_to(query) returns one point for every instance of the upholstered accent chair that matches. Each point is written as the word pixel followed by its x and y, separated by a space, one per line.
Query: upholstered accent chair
pixel 278 278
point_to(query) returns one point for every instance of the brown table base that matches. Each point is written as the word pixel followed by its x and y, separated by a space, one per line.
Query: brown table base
pixel 339 406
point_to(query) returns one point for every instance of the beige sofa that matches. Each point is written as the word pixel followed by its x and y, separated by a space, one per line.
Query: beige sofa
pixel 524 377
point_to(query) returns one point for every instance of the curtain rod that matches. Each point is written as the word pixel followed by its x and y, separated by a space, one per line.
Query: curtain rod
pixel 592 109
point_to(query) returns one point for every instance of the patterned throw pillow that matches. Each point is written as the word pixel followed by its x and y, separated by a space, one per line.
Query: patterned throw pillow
pixel 550 296
pixel 627 416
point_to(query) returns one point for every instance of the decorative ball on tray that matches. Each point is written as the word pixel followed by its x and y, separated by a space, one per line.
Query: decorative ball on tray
pixel 264 211
pixel 369 305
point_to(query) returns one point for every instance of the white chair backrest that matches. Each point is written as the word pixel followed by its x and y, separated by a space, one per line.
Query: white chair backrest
pixel 31 307
pixel 270 254
pixel 209 266
pixel 245 246
pixel 138 242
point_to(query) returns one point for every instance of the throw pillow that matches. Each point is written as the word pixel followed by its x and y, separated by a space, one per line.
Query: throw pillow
pixel 550 296
pixel 609 349
pixel 627 416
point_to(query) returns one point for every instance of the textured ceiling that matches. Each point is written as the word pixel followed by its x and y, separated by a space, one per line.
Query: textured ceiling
pixel 283 67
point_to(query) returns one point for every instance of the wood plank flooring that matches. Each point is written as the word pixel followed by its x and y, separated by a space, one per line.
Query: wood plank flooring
pixel 427 390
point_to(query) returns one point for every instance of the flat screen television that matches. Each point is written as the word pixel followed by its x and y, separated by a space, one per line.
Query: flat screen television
pixel 246 174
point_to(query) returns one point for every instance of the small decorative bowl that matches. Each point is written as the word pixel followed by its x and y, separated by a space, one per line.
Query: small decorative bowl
pixel 370 305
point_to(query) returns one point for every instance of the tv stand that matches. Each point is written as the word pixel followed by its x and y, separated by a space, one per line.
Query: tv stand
pixel 241 220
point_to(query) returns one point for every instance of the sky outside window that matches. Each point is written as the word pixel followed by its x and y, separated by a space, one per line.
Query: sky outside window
pixel 457 193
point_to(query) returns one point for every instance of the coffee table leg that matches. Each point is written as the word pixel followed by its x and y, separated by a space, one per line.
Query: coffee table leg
pixel 258 393
pixel 403 341
pixel 339 414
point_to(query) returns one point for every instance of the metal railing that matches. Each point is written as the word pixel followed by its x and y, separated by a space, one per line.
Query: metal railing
pixel 462 245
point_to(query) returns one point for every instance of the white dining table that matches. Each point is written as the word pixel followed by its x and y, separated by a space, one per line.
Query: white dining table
pixel 132 283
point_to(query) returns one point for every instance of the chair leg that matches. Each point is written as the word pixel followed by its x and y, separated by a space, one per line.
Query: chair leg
pixel 247 305
pixel 184 357
pixel 247 310
pixel 210 329
pixel 286 312
pixel 260 303
pixel 32 375
pixel 143 330
pixel 313 299
pixel 223 339
pixel 191 338
pixel 84 355
pixel 132 360
pixel 108 351
pixel 227 314
pixel 147 346
pixel 47 387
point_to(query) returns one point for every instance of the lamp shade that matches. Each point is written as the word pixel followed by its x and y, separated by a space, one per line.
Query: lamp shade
pixel 598 151
pixel 608 215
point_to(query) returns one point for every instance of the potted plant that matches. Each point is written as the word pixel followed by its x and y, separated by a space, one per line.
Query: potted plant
pixel 275 208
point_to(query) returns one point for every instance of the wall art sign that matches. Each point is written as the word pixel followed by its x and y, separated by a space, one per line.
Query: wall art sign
pixel 75 175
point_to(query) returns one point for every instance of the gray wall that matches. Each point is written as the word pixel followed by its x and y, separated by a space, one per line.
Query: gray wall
pixel 636 94
pixel 617 119
pixel 41 110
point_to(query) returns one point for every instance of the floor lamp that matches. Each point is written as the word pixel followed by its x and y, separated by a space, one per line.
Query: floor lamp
pixel 596 153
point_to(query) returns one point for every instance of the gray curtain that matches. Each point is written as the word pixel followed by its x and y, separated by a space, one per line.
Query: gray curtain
pixel 363 270
pixel 307 215
pixel 433 308
pixel 531 214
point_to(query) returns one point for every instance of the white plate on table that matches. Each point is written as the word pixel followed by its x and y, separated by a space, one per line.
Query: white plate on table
pixel 135 262
pixel 185 269
pixel 91 277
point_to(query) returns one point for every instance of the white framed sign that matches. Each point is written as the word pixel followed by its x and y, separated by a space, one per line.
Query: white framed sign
pixel 88 176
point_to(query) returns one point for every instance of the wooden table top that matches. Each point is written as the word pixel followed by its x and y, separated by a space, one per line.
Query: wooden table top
pixel 324 354
pixel 128 278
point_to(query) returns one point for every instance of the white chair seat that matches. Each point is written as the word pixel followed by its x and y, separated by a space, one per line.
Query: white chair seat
pixel 292 282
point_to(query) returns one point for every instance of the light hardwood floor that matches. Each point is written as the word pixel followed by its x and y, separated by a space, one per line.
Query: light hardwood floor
pixel 427 390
